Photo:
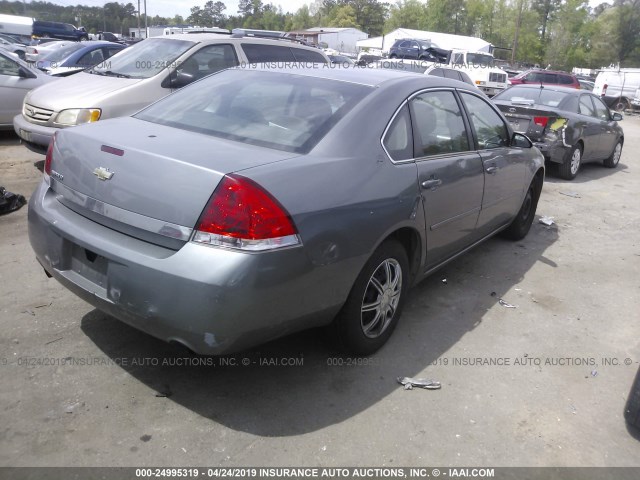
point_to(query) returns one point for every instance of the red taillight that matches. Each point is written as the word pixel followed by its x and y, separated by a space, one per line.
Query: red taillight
pixel 604 90
pixel 541 121
pixel 47 159
pixel 241 214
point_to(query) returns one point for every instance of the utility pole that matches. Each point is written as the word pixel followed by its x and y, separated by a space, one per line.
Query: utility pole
pixel 138 18
pixel 146 26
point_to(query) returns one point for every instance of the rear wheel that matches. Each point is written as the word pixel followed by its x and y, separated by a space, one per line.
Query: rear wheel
pixel 614 158
pixel 393 55
pixel 569 168
pixel 375 302
pixel 522 223
pixel 632 408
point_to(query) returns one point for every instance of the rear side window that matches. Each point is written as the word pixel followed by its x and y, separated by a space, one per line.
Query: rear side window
pixel 437 72
pixel 453 74
pixel 303 55
pixel 258 53
pixel 491 131
pixel 550 78
pixel 565 80
pixel 465 78
pixel 437 124
pixel 398 141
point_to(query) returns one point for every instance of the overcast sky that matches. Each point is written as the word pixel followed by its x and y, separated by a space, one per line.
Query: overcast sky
pixel 169 8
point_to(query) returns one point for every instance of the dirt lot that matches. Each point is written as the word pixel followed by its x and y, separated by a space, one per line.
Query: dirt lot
pixel 541 384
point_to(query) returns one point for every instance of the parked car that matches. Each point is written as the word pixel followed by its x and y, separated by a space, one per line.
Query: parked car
pixel 77 57
pixel 546 77
pixel 273 219
pixel 617 87
pixel 635 102
pixel 570 127
pixel 15 48
pixel 412 48
pixel 36 52
pixel 16 79
pixel 15 38
pixel 63 31
pixel 142 74
pixel 632 407
pixel 586 84
pixel 424 67
pixel 341 60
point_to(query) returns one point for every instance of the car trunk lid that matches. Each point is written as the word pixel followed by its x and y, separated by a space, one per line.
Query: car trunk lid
pixel 154 183
pixel 528 118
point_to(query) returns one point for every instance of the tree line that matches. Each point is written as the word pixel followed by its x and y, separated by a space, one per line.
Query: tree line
pixel 560 33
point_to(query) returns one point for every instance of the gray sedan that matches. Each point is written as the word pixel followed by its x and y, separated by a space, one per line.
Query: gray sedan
pixel 16 79
pixel 258 202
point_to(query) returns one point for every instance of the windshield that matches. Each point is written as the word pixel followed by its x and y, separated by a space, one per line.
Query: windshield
pixel 62 53
pixel 479 60
pixel 145 59
pixel 275 110
pixel 532 96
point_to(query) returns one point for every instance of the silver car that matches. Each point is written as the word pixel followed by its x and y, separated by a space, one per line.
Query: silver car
pixel 17 78
pixel 261 201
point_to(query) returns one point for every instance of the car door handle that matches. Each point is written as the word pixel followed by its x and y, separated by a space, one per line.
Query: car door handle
pixel 491 170
pixel 432 183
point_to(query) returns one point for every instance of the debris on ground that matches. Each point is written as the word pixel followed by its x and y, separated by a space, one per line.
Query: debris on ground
pixel 10 202
pixel 571 194
pixel 409 383
pixel 53 341
pixel 505 304
pixel 548 221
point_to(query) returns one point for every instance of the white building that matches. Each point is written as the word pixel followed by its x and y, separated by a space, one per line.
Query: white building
pixel 442 40
pixel 341 39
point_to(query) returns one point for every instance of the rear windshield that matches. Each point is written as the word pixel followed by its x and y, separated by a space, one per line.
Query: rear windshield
pixel 62 53
pixel 144 59
pixel 270 109
pixel 532 96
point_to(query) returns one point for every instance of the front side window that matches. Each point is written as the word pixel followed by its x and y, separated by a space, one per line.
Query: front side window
pixel 274 110
pixel 551 78
pixel 7 67
pixel 91 58
pixel 602 112
pixel 398 141
pixel 208 60
pixel 491 132
pixel 566 80
pixel 437 124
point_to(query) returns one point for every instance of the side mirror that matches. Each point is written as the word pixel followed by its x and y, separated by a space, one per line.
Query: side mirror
pixel 25 73
pixel 617 117
pixel 521 141
pixel 178 79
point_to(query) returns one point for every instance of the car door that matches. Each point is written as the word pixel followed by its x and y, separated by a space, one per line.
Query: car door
pixel 608 133
pixel 450 174
pixel 590 127
pixel 13 89
pixel 504 171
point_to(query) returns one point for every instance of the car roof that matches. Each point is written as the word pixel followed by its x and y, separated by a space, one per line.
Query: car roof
pixel 372 77
pixel 549 71
pixel 548 87
pixel 216 37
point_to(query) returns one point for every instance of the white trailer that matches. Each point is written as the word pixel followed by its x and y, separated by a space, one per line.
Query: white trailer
pixel 15 25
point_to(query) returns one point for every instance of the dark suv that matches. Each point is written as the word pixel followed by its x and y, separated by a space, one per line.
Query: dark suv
pixel 412 49
pixel 546 77
pixel 63 31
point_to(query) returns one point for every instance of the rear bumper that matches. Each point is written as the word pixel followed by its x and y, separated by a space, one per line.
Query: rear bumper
pixel 555 152
pixel 214 301
pixel 37 137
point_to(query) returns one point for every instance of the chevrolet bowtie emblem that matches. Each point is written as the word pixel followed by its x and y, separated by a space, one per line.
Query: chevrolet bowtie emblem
pixel 103 173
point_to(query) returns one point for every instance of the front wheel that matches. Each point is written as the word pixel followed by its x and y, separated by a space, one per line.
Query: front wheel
pixel 613 159
pixel 569 168
pixel 375 302
pixel 621 104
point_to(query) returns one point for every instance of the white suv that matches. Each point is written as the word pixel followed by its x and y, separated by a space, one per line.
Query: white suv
pixel 141 74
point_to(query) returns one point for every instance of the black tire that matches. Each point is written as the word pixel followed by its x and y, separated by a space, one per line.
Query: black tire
pixel 21 54
pixel 384 280
pixel 393 55
pixel 613 159
pixel 632 408
pixel 521 225
pixel 569 168
pixel 621 104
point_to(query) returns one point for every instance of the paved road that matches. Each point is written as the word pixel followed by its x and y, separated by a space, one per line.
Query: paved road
pixel 525 386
